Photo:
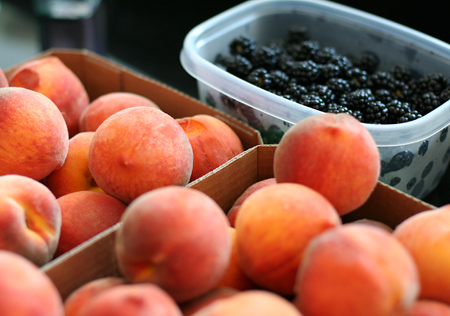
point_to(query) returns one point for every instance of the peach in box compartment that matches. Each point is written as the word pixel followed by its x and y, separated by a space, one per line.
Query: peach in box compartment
pixel 101 77
pixel 96 258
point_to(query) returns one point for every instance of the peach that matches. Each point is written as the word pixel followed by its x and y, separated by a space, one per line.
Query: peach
pixel 74 175
pixel 25 289
pixel 429 308
pixel 233 211
pixel 234 277
pixel 202 301
pixel 333 154
pixel 177 238
pixel 426 235
pixel 137 150
pixel 251 302
pixel 34 139
pixel 49 76
pixel 132 299
pixel 356 269
pixel 76 301
pixel 3 80
pixel 108 104
pixel 30 218
pixel 273 227
pixel 213 142
pixel 84 215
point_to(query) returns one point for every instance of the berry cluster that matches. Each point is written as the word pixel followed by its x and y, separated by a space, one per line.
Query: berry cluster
pixel 298 68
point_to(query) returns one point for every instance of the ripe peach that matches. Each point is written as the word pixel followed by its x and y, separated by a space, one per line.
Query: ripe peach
pixel 333 154
pixel 233 211
pixel 273 227
pixel 213 142
pixel 426 235
pixel 84 215
pixel 30 218
pixel 49 76
pixel 75 302
pixel 132 299
pixel 26 290
pixel 251 302
pixel 108 104
pixel 356 269
pixel 429 308
pixel 34 139
pixel 74 175
pixel 234 277
pixel 3 80
pixel 137 150
pixel 175 237
pixel 211 296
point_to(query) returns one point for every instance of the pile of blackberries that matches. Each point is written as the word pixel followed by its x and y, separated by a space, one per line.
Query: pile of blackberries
pixel 298 68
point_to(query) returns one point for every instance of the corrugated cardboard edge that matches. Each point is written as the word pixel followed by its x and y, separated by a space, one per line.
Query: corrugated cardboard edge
pixel 95 258
pixel 100 76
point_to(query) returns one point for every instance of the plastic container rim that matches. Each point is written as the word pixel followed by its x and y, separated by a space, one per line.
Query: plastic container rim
pixel 283 109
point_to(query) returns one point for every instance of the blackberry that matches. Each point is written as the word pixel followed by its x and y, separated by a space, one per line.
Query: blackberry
pixel 401 73
pixel 338 85
pixel 264 57
pixel 397 109
pixel 429 101
pixel 325 93
pixel 402 90
pixel 297 34
pixel 376 112
pixel 324 55
pixel 280 80
pixel 304 50
pixel 434 82
pixel 260 77
pixel 236 64
pixel 359 99
pixel 357 114
pixel 242 45
pixel 383 95
pixel 329 71
pixel 295 90
pixel 313 101
pixel 337 108
pixel 357 77
pixel 409 116
pixel 381 80
pixel 445 95
pixel 305 72
pixel 367 61
pixel 342 61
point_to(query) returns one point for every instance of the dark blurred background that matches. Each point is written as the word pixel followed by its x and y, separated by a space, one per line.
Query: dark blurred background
pixel 148 35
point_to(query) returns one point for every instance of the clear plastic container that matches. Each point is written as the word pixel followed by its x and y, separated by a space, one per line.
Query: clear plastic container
pixel 414 154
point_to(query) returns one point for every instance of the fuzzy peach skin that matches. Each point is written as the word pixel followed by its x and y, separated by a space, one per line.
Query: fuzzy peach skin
pixel 213 142
pixel 137 150
pixel 49 76
pixel 132 299
pixel 76 301
pixel 108 104
pixel 426 235
pixel 74 175
pixel 84 215
pixel 356 269
pixel 34 139
pixel 233 211
pixel 333 154
pixel 429 308
pixel 202 301
pixel 3 80
pixel 26 290
pixel 251 302
pixel 30 218
pixel 273 227
pixel 234 277
pixel 175 237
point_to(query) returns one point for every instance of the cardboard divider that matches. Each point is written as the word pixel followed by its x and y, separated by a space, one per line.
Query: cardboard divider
pixel 95 258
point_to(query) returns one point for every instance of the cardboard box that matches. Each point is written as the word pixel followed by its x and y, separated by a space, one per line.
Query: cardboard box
pixel 100 76
pixel 96 258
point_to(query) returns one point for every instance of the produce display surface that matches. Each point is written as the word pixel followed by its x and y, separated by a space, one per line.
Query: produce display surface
pixel 396 78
